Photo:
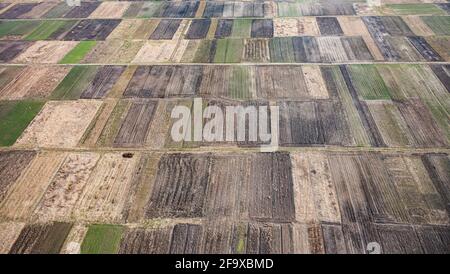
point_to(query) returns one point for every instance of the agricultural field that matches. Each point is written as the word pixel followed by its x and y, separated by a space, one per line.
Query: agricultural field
pixel 93 97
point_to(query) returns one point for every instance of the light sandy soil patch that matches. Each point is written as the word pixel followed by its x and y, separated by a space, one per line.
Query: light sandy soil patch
pixel 66 187
pixel 24 196
pixel 102 52
pixel 283 27
pixel 212 29
pixel 60 124
pixel 110 10
pixel 190 51
pixel 34 82
pixel 200 10
pixel 270 9
pixel 307 26
pixel 126 52
pixel 96 129
pixel 46 52
pixel 74 240
pixel 146 28
pixel 417 26
pixel 314 82
pixel 9 232
pixel 315 195
pixel 180 50
pixel 113 51
pixel 182 29
pixel 156 51
pixel 134 29
pixel 159 127
pixel 363 9
pixel 353 26
pixel 295 26
pixel 107 189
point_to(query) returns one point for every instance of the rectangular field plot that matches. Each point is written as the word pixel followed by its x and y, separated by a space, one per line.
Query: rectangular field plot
pixel 329 26
pixel 102 239
pixel 51 30
pixel 102 83
pixel 18 10
pixel 107 189
pixel 78 52
pixel 60 124
pixel 165 81
pixel 9 50
pixel 110 10
pixel 15 116
pixel 46 52
pixel 41 239
pixel 65 189
pixel 23 197
pixel 12 164
pixel 166 29
pixel 9 231
pixel 82 11
pixel 202 194
pixel 134 128
pixel 97 29
pixel 440 25
pixel 313 123
pixel 34 82
pixel 16 30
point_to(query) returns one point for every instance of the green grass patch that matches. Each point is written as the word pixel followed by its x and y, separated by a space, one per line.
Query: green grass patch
pixel 228 51
pixel 77 53
pixel 17 28
pixel 74 83
pixel 411 9
pixel 102 239
pixel 239 87
pixel 15 117
pixel 288 10
pixel 438 24
pixel 44 30
pixel 241 28
pixel 368 82
pixel 281 50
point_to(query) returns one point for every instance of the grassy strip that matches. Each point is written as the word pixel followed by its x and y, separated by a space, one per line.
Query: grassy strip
pixel 44 30
pixel 411 9
pixel 74 83
pixel 438 24
pixel 15 117
pixel 77 54
pixel 102 239
pixel 17 28
pixel 229 51
pixel 368 82
pixel 241 28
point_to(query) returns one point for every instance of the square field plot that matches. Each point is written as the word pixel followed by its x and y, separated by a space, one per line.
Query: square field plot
pixel 60 124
